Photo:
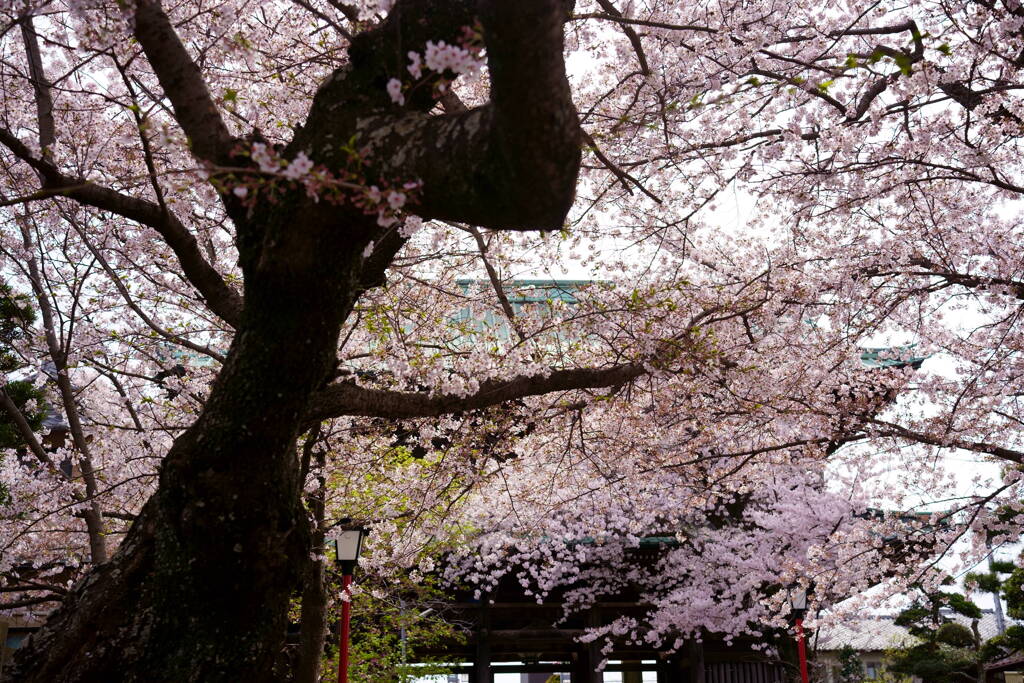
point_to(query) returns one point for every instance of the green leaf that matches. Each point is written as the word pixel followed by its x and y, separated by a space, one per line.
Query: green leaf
pixel 905 64
pixel 230 95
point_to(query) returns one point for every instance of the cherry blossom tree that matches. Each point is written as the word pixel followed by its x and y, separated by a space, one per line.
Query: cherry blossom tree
pixel 248 229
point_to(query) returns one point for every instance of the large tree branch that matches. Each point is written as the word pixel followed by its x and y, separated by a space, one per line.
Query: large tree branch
pixel 630 21
pixel 630 32
pixel 962 94
pixel 930 269
pixel 535 138
pixel 44 103
pixel 220 298
pixel 995 450
pixel 510 164
pixel 29 602
pixel 350 399
pixel 374 268
pixel 183 83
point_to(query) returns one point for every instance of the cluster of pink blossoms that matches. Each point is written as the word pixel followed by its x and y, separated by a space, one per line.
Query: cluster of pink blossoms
pixel 387 203
pixel 269 162
pixel 440 58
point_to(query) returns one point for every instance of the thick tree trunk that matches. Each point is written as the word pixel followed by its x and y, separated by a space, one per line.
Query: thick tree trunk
pixel 313 619
pixel 313 629
pixel 200 588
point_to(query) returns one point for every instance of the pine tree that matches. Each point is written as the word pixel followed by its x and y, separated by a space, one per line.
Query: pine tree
pixel 948 650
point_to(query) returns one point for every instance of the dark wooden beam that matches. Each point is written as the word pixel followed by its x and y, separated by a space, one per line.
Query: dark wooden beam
pixel 696 651
pixel 593 649
pixel 482 658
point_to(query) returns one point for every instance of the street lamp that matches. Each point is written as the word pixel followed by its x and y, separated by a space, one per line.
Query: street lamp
pixel 798 605
pixel 347 541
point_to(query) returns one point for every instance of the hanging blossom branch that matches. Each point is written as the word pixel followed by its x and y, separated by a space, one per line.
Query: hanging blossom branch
pixel 346 185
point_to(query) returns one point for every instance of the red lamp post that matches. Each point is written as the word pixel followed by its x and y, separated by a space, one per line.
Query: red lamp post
pixel 346 617
pixel 347 543
pixel 798 604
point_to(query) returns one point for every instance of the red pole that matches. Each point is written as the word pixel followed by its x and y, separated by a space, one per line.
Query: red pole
pixel 346 614
pixel 802 649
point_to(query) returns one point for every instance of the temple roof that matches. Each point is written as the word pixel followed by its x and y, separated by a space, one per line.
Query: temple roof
pixel 878 633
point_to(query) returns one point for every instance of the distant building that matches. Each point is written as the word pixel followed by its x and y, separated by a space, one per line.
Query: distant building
pixel 871 636
pixel 14 630
pixel 1007 670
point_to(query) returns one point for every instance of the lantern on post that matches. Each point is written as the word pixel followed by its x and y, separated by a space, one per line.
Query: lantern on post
pixel 798 606
pixel 347 542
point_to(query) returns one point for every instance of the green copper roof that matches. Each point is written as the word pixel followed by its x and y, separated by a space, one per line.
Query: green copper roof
pixel 891 357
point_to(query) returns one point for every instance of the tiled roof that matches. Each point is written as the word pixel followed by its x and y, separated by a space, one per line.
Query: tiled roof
pixel 1006 662
pixel 878 633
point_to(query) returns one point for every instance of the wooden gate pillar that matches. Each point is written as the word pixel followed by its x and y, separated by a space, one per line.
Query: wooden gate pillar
pixel 695 650
pixel 635 676
pixel 482 659
pixel 591 656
